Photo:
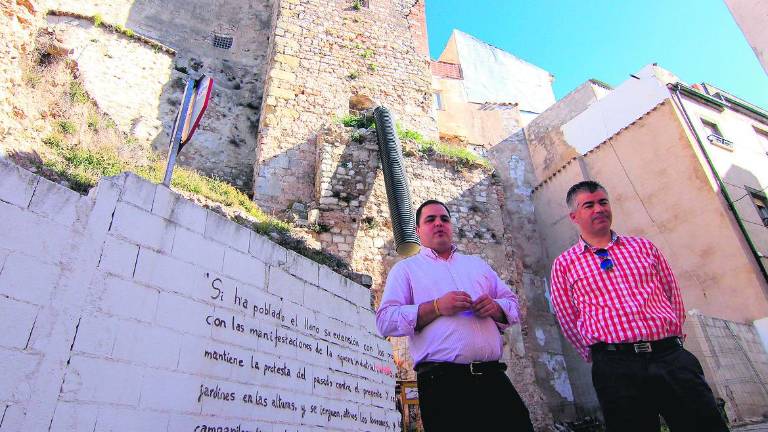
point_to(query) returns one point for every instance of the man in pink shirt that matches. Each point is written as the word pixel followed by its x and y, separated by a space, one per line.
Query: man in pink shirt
pixel 453 308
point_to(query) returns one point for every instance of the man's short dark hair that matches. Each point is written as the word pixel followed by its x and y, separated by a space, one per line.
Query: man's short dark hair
pixel 588 186
pixel 426 203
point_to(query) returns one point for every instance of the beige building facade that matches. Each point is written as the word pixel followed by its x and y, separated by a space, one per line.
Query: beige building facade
pixel 751 16
pixel 687 168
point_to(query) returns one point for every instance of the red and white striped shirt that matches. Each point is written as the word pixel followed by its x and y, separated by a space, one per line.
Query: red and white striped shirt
pixel 637 300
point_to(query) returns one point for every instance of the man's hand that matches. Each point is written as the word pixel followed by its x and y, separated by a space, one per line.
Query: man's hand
pixel 454 302
pixel 485 307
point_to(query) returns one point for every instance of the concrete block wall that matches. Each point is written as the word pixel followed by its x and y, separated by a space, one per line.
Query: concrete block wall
pixel 134 309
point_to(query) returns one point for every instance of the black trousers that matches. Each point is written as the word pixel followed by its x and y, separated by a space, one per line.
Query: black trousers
pixel 458 401
pixel 634 389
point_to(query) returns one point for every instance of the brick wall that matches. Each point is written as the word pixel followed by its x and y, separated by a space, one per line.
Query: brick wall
pixel 132 308
pixel 446 70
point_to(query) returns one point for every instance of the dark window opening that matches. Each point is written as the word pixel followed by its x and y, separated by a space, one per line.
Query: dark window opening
pixel 714 135
pixel 439 101
pixel 222 41
pixel 761 204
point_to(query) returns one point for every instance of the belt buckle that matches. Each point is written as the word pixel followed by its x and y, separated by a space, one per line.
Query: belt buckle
pixel 642 347
pixel 472 368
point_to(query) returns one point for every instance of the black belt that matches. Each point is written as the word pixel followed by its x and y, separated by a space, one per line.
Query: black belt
pixel 641 347
pixel 474 368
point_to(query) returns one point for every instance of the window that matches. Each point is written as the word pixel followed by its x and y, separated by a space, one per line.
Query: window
pixel 439 101
pixel 762 136
pixel 222 41
pixel 714 135
pixel 761 204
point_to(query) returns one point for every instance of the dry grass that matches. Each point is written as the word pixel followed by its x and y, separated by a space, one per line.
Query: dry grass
pixel 72 142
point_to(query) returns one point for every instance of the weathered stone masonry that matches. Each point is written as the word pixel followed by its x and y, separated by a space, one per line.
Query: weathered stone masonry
pixel 323 53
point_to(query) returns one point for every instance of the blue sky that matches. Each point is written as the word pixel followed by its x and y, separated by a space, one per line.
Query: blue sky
pixel 576 40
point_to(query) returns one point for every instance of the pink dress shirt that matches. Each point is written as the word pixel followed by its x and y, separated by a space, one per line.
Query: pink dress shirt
pixel 461 338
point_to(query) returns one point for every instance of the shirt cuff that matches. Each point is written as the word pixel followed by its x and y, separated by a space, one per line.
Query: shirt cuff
pixel 510 311
pixel 409 316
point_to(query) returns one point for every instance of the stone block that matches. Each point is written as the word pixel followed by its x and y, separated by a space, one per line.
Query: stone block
pixel 16 184
pixel 183 315
pixel 30 234
pixel 73 416
pixel 147 345
pixel 13 381
pixel 144 228
pixel 302 267
pixel 283 75
pixel 225 231
pixel 101 380
pixel 118 418
pixel 128 299
pixel 189 422
pixel 194 248
pixel 118 257
pixel 245 268
pixel 333 282
pixel 163 390
pixel 267 251
pixel 104 198
pixel 285 286
pixel 280 93
pixel 367 320
pixel 167 273
pixel 55 202
pixel 170 205
pixel 96 334
pixel 25 278
pixel 17 321
pixel 138 192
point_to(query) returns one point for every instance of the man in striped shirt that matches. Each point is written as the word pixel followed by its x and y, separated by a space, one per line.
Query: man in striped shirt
pixel 619 305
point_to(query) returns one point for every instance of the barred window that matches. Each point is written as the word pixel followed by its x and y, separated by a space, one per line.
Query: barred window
pixel 222 41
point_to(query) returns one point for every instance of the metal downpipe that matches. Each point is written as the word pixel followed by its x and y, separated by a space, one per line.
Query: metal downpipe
pixel 396 184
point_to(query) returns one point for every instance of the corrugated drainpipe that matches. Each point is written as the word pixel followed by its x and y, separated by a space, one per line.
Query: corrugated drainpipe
pixel 679 102
pixel 396 183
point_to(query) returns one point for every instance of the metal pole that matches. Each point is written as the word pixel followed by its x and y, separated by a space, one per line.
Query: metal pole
pixel 177 133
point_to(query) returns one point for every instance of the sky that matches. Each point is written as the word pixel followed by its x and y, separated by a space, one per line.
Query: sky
pixel 575 40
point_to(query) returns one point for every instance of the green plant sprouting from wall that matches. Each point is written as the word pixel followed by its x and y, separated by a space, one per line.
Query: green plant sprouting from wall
pixel 357 4
pixel 367 53
pixel 359 122
pixel 460 157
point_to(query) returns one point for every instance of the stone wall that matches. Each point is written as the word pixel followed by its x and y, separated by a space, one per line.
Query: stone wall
pixel 134 309
pixel 323 54
pixel 225 144
pixel 18 24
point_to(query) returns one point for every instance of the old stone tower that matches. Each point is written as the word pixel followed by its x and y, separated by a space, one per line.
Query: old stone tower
pixel 286 71
pixel 325 58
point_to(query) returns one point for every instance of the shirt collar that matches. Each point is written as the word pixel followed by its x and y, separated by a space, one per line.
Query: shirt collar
pixel 430 253
pixel 583 246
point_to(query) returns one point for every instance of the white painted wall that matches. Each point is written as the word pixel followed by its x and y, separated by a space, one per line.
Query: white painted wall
pixel 109 303
pixel 494 75
pixel 625 104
